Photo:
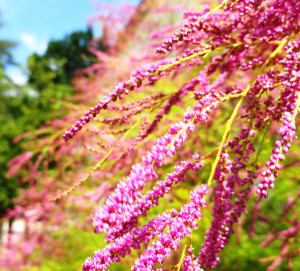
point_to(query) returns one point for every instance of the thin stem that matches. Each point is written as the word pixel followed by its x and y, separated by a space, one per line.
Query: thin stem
pixel 235 111
pixel 181 259
pixel 261 144
pixel 93 168
pixel 224 137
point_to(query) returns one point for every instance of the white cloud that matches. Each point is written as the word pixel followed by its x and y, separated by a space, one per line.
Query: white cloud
pixel 17 76
pixel 33 43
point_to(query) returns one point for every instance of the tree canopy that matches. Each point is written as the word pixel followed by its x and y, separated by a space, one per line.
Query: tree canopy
pixel 61 60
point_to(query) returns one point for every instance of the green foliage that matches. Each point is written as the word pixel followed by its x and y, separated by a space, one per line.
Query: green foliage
pixel 20 112
pixel 6 57
pixel 61 59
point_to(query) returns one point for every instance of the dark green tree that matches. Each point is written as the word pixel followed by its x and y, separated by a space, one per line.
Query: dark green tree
pixel 8 188
pixel 61 60
pixel 6 57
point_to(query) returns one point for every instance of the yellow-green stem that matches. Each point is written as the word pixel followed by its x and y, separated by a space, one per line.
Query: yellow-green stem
pixel 93 168
pixel 181 258
pixel 224 138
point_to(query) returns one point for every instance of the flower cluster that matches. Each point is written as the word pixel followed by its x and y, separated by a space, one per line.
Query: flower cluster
pixel 118 206
pixel 217 236
pixel 143 205
pixel 121 247
pixel 190 263
pixel 179 223
pixel 179 227
pixel 287 132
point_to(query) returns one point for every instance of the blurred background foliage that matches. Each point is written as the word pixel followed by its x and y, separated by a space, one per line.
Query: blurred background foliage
pixel 27 107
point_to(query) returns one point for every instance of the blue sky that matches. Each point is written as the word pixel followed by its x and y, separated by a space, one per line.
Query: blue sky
pixel 32 23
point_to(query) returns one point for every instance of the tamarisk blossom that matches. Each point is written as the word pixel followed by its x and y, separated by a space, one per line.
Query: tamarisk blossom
pixel 190 263
pixel 147 75
pixel 149 72
pixel 144 204
pixel 217 235
pixel 287 109
pixel 180 227
pixel 180 224
pixel 102 259
pixel 174 99
pixel 227 209
pixel 119 205
pixel 287 132
pixel 131 109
